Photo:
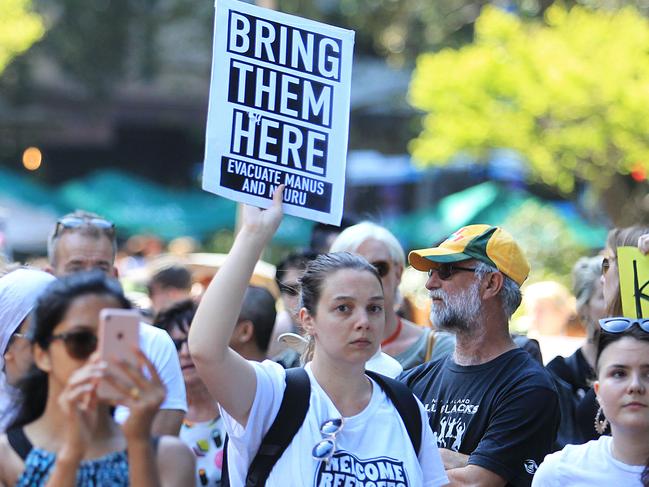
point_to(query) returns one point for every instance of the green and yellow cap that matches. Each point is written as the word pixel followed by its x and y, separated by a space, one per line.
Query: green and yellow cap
pixel 491 245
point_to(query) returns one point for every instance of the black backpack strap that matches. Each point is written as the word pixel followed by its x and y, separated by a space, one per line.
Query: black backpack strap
pixel 225 475
pixel 19 442
pixel 290 417
pixel 406 405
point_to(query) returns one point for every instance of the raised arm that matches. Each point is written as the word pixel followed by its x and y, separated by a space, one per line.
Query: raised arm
pixel 229 377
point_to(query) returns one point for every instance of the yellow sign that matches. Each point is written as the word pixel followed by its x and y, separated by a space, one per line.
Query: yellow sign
pixel 634 282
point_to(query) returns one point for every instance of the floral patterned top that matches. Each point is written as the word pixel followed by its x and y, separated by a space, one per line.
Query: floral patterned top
pixel 108 471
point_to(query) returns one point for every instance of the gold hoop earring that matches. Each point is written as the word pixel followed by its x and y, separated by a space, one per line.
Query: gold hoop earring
pixel 600 424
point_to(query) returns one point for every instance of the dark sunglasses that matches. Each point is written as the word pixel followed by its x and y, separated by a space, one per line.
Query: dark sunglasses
pixel 291 290
pixel 178 342
pixel 445 271
pixel 620 324
pixel 69 222
pixel 606 265
pixel 325 448
pixel 382 267
pixel 79 344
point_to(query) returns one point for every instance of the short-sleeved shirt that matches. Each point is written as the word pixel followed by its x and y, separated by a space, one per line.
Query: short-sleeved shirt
pixel 504 413
pixel 588 465
pixel 158 347
pixel 373 447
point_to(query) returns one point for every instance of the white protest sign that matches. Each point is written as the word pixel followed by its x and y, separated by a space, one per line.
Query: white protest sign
pixel 278 110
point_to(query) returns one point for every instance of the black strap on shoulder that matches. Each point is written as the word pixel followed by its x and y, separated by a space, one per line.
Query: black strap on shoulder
pixel 290 417
pixel 405 403
pixel 225 474
pixel 19 442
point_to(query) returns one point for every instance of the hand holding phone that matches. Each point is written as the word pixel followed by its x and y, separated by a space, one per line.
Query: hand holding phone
pixel 119 332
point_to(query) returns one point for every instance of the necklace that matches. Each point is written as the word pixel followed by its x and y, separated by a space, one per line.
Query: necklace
pixel 394 335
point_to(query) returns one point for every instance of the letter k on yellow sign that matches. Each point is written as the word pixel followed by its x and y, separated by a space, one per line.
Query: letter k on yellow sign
pixel 634 282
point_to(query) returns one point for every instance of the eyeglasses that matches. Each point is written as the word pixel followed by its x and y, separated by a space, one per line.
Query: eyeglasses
pixel 13 337
pixel 382 267
pixel 69 222
pixel 325 448
pixel 445 271
pixel 621 324
pixel 289 289
pixel 79 344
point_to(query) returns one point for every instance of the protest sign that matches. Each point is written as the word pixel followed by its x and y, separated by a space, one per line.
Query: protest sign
pixel 278 110
pixel 634 282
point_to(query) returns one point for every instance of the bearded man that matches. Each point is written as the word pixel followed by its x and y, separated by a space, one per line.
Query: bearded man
pixel 493 407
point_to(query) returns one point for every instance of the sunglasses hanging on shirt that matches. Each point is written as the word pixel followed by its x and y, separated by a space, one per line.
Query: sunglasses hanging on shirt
pixel 325 448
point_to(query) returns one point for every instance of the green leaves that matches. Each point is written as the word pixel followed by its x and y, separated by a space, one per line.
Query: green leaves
pixel 571 94
pixel 20 29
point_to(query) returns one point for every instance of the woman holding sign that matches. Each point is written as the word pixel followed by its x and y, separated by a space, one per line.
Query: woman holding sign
pixel 636 236
pixel 588 408
pixel 352 432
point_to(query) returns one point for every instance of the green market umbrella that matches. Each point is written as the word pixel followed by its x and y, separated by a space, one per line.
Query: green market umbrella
pixel 140 206
pixel 484 203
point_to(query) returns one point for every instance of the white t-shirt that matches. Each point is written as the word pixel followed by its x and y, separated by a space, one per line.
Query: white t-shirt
pixel 588 465
pixel 373 448
pixel 159 348
pixel 384 364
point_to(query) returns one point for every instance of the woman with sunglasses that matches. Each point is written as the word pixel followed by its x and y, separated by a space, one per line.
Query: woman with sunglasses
pixel 202 430
pixel 622 389
pixel 64 433
pixel 407 342
pixel 352 432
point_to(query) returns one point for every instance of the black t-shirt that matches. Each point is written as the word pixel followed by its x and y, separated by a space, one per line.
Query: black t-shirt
pixel 504 414
pixel 573 376
pixel 575 370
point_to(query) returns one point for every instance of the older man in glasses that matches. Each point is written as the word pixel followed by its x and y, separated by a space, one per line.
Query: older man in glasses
pixel 84 241
pixel 493 407
pixel 408 343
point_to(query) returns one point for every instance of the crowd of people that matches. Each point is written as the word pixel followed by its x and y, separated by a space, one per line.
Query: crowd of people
pixel 337 388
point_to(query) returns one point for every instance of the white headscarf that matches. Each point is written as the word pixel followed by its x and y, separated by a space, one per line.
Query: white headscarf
pixel 18 293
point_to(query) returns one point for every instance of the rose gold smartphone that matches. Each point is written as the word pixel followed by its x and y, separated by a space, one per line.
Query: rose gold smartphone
pixel 119 332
